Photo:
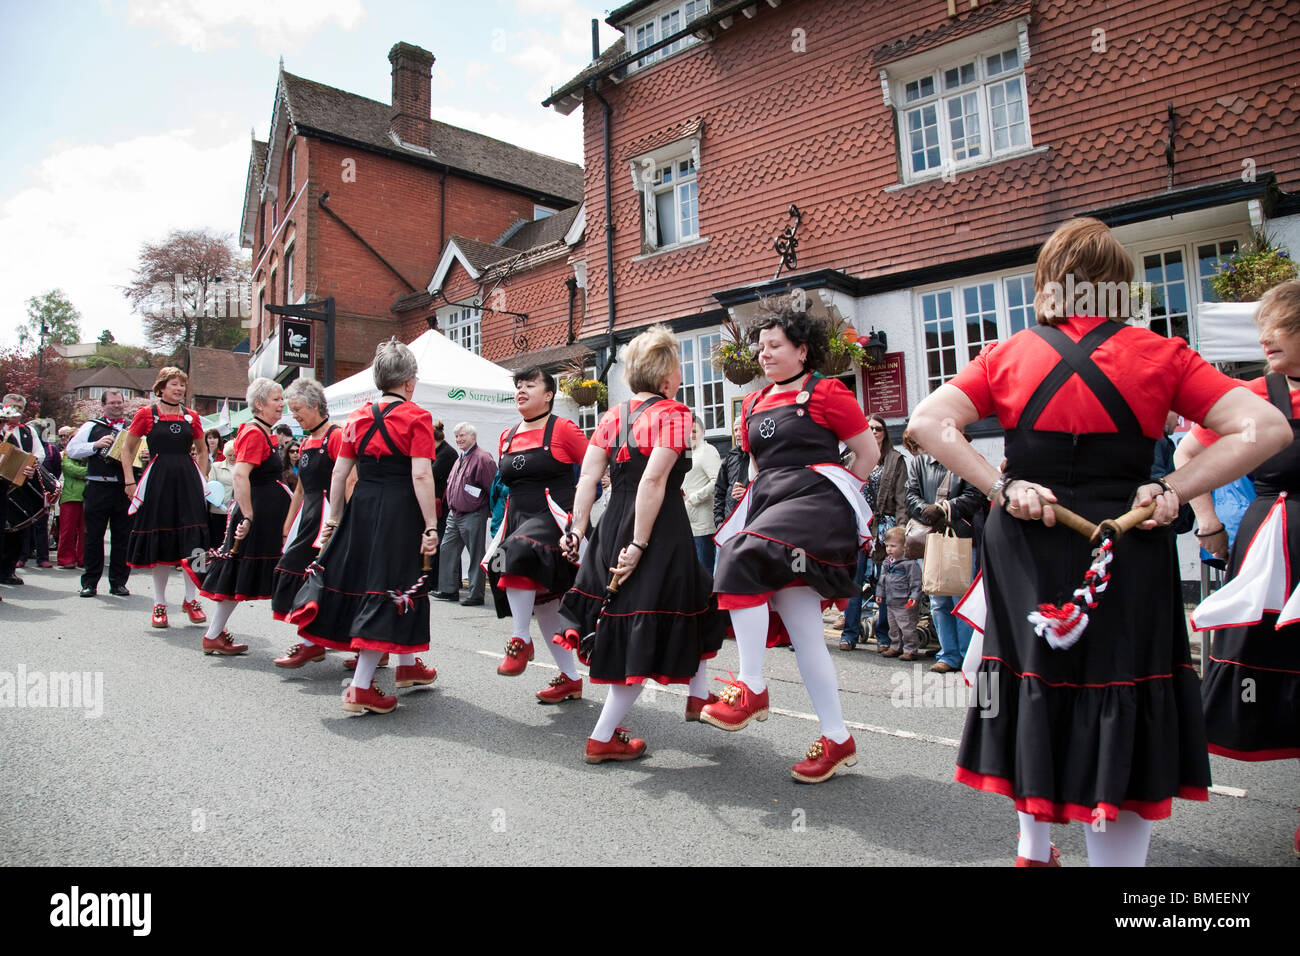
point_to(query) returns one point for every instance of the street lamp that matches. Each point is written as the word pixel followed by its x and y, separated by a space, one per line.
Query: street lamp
pixel 875 346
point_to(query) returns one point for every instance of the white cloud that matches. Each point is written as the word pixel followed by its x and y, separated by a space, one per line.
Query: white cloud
pixel 546 132
pixel 205 24
pixel 79 223
pixel 555 45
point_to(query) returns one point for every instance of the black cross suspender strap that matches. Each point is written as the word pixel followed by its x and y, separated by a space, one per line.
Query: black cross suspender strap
pixel 627 420
pixel 1279 396
pixel 378 425
pixel 1076 360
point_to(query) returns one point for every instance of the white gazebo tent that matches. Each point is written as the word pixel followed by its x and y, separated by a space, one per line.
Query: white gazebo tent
pixel 455 386
pixel 1226 332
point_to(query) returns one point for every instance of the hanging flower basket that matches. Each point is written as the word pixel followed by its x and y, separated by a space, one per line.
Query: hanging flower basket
pixel 584 392
pixel 739 370
pixel 1253 270
pixel 733 357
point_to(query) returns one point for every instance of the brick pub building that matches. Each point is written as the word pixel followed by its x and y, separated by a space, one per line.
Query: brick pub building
pixel 355 199
pixel 930 146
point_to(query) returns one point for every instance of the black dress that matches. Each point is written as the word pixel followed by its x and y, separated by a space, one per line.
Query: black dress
pixel 347 600
pixel 529 555
pixel 315 467
pixel 664 619
pixel 1114 722
pixel 1266 725
pixel 247 575
pixel 170 515
pixel 800 528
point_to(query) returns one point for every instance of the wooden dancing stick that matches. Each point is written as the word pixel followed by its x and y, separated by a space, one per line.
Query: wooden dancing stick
pixel 1113 528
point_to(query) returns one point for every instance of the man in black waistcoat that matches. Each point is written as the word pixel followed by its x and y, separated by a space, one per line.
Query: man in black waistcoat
pixel 105 502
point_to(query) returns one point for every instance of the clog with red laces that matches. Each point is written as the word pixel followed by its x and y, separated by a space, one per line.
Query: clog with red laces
pixel 619 747
pixel 223 644
pixel 561 688
pixel 357 700
pixel 299 655
pixel 195 611
pixel 159 615
pixel 696 704
pixel 825 757
pixel 1054 859
pixel 516 661
pixel 736 706
pixel 411 675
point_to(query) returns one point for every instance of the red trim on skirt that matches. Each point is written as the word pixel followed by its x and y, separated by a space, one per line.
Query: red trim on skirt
pixel 1253 667
pixel 301 618
pixel 519 583
pixel 642 678
pixel 1277 753
pixel 1049 812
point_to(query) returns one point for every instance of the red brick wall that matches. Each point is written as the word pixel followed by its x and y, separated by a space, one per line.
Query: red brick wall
pixel 811 128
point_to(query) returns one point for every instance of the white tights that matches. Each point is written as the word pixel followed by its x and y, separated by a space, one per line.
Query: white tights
pixel 1123 842
pixel 621 697
pixel 160 574
pixel 800 610
pixel 219 616
pixel 523 609
pixel 368 663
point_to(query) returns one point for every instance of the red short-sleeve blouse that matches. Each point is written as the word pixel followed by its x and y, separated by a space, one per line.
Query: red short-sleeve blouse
pixel 830 405
pixel 568 443
pixel 409 425
pixel 665 424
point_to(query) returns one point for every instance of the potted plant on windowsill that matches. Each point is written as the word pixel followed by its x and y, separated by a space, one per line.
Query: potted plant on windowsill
pixel 1253 270
pixel 733 357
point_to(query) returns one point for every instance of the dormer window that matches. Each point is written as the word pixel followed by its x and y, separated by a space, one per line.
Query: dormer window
pixel 664 24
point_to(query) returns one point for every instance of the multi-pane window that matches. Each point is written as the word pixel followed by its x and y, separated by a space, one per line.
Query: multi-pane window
pixel 676 201
pixel 964 113
pixel 589 415
pixel 292 152
pixel 462 325
pixel 1209 257
pixel 702 385
pixel 288 276
pixel 1166 274
pixel 665 25
pixel 958 322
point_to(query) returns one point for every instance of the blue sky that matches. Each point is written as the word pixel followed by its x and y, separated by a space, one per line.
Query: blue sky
pixel 128 118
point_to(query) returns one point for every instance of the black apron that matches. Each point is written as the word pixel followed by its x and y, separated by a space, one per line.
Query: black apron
pixel 249 574
pixel 799 527
pixel 530 542
pixel 315 469
pixel 344 603
pixel 664 619
pixel 1267 725
pixel 1114 722
pixel 171 522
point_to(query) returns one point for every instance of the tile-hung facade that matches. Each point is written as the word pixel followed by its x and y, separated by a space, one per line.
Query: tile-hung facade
pixel 931 148
pixel 356 199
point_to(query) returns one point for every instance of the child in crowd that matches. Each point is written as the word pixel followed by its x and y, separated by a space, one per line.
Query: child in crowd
pixel 901 586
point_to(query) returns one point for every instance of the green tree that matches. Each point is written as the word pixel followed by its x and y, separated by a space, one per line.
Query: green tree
pixel 53 312
pixel 106 338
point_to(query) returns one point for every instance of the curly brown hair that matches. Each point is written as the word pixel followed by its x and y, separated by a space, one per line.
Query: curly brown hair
pixel 799 326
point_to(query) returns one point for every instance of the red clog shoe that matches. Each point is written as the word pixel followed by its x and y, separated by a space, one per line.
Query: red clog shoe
pixel 223 644
pixel 619 747
pixel 195 611
pixel 825 756
pixel 1054 859
pixel 696 704
pixel 300 654
pixel 351 662
pixel 736 707
pixel 561 688
pixel 160 615
pixel 516 661
pixel 411 675
pixel 357 700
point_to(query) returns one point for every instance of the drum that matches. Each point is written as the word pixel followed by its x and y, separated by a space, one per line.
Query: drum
pixel 26 506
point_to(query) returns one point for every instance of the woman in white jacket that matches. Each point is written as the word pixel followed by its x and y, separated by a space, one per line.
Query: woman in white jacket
pixel 697 488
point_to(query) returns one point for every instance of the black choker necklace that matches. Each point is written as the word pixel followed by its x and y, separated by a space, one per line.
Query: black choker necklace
pixel 400 398
pixel 311 432
pixel 787 381
pixel 1293 381
pixel 267 426
pixel 163 401
pixel 538 417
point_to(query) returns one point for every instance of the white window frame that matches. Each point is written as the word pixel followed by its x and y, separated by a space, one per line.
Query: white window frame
pixel 964 347
pixel 665 21
pixel 648 180
pixel 696 353
pixel 463 324
pixel 288 274
pixel 589 415
pixel 974 92
pixel 1188 244
pixel 292 151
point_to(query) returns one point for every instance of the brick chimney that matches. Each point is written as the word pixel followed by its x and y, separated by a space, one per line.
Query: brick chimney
pixel 412 110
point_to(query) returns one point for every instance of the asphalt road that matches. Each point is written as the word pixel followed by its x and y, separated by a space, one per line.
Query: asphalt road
pixel 204 761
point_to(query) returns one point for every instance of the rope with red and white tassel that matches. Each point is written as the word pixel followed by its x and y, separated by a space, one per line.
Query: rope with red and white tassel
pixel 1062 626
